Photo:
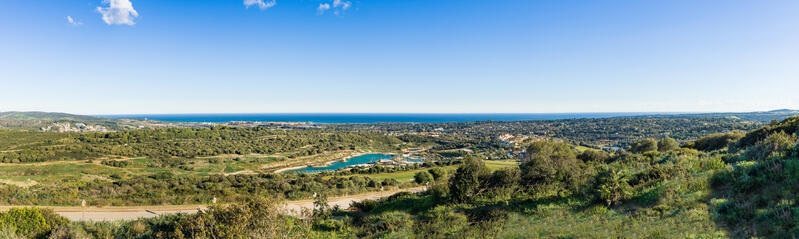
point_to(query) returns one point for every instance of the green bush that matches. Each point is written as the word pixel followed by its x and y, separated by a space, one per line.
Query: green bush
pixel 612 187
pixel 644 145
pixel 365 205
pixel 390 222
pixel 114 163
pixel 422 177
pixel 443 222
pixel 467 180
pixel 789 126
pixel 716 141
pixel 506 177
pixel 9 233
pixel 593 155
pixel 438 173
pixel 667 144
pixel 552 164
pixel 772 145
pixel 31 222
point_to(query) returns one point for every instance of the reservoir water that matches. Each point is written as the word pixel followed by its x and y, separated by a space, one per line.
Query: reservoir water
pixel 362 159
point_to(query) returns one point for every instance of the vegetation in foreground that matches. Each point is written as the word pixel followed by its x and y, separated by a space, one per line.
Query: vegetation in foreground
pixel 734 184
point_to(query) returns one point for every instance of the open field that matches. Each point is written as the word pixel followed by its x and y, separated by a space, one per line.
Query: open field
pixel 59 171
pixel 53 172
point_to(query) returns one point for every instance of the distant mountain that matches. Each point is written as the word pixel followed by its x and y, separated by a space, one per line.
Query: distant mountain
pixel 38 115
pixel 784 111
pixel 58 122
pixel 759 116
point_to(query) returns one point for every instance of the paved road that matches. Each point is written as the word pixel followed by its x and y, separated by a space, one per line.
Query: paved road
pixel 130 213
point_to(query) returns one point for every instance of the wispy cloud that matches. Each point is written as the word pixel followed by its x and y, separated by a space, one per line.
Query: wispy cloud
pixel 322 8
pixel 344 5
pixel 73 21
pixel 260 3
pixel 118 12
pixel 338 7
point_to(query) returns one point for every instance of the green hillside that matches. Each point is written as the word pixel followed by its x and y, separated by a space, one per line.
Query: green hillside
pixel 35 120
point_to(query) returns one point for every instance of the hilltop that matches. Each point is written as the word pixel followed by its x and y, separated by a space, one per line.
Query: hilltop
pixel 65 122
pixel 759 116
pixel 57 122
pixel 38 115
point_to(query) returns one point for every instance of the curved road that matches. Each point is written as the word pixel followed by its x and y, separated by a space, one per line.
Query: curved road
pixel 130 213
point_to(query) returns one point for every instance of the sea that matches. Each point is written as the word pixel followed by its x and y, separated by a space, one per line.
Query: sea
pixel 327 118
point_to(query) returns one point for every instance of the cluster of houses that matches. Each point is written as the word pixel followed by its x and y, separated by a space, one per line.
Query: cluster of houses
pixel 76 127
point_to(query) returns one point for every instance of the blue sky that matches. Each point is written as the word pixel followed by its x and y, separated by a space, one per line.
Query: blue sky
pixel 447 56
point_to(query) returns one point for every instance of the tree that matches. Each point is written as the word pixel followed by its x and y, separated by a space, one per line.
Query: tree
pixel 644 145
pixel 716 141
pixel 667 144
pixel 466 181
pixel 613 187
pixel 774 144
pixel 506 177
pixel 593 155
pixel 438 173
pixel 553 164
pixel 321 206
pixel 422 177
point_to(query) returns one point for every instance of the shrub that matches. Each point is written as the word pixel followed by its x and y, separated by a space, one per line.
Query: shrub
pixel 658 172
pixel 390 182
pixel 715 141
pixel 330 225
pixel 789 125
pixel 365 205
pixel 506 177
pixel 466 181
pixel 667 144
pixel 6 232
pixel 439 191
pixel 31 222
pixel 114 163
pixel 422 177
pixel 390 222
pixel 612 187
pixel 438 173
pixel 593 155
pixel 772 145
pixel 254 218
pixel 644 145
pixel 443 222
pixel 554 164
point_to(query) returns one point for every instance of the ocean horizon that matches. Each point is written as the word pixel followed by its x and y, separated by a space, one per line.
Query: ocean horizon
pixel 329 118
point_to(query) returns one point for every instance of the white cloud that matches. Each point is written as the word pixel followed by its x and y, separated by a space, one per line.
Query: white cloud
pixel 73 21
pixel 338 6
pixel 343 4
pixel 261 4
pixel 322 8
pixel 118 12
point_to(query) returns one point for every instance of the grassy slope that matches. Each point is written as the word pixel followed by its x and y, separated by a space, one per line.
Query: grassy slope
pixel 61 171
pixel 408 175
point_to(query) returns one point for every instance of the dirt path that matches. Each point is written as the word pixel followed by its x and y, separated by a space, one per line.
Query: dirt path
pixel 134 212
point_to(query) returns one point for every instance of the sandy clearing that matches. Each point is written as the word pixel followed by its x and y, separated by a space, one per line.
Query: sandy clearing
pixel 24 184
pixel 242 172
pixel 134 212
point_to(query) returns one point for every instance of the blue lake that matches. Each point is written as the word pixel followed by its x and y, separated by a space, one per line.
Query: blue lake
pixel 363 159
pixel 414 159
